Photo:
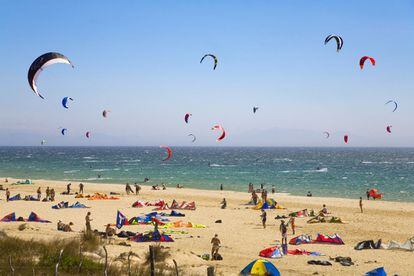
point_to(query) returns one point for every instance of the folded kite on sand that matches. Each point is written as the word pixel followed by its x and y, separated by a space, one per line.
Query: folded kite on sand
pixel 33 217
pixel 153 236
pixel 408 245
pixel 276 252
pixel 65 204
pixel 320 238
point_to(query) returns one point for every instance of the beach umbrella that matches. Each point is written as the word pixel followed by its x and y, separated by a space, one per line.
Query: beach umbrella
pixel 260 267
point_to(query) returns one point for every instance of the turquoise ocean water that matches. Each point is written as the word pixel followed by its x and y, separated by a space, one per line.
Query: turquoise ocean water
pixel 334 172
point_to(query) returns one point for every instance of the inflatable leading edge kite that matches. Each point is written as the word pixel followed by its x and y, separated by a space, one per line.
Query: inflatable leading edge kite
pixel 40 64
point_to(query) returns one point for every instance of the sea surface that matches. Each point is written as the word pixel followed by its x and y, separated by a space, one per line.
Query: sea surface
pixel 330 172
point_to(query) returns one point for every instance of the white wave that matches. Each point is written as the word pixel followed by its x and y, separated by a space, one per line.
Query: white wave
pixel 367 162
pixel 100 170
pixel 288 171
pixel 321 170
pixel 88 157
pixel 72 171
pixel 218 165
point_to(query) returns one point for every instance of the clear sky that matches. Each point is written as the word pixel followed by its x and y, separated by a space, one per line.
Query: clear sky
pixel 140 59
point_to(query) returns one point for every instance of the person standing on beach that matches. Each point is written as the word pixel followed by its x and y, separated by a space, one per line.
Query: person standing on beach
pixel 7 194
pixel 216 246
pixel 223 204
pixel 88 222
pixel 254 197
pixel 47 193
pixel 360 204
pixel 273 189
pixel 263 216
pixel 367 193
pixel 81 188
pixel 52 194
pixel 283 231
pixel 221 187
pixel 39 193
pixel 68 188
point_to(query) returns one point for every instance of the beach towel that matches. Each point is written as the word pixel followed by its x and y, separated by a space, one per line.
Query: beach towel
pixel 301 239
pixel 16 197
pixel 9 218
pixel 35 218
pixel 334 239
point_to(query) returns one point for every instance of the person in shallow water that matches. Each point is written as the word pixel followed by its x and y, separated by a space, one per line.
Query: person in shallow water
pixel 309 194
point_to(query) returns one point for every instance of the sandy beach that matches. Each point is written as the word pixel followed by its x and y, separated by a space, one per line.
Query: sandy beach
pixel 240 232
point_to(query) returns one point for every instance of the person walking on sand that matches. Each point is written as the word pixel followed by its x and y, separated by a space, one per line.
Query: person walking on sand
pixel 7 194
pixel 81 188
pixel 215 246
pixel 88 222
pixel 263 216
pixel 360 204
pixel 39 193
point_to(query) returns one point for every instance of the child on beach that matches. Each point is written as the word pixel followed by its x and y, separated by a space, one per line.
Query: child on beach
pixel 263 216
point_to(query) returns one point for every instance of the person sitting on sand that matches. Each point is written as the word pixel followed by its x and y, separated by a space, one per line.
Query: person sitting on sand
pixel 215 246
pixel 309 194
pixel 155 187
pixel 60 225
pixel 263 217
pixel 223 204
pixel 324 211
pixel 109 231
pixel 39 193
pixel 7 194
pixel 52 194
pixel 7 180
pixel 164 187
pixel 67 227
pixel 179 186
pixel 81 188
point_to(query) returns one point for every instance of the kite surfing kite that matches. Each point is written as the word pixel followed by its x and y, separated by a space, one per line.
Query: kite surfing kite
pixel 105 113
pixel 186 117
pixel 40 64
pixel 223 132
pixel 194 137
pixel 212 56
pixel 63 131
pixel 389 129
pixel 169 152
pixel 65 102
pixel 346 138
pixel 255 108
pixel 339 41
pixel 363 59
pixel 88 134
pixel 395 104
pixel 327 134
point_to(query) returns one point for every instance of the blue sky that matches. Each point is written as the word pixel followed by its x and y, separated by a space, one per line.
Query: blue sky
pixel 140 59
